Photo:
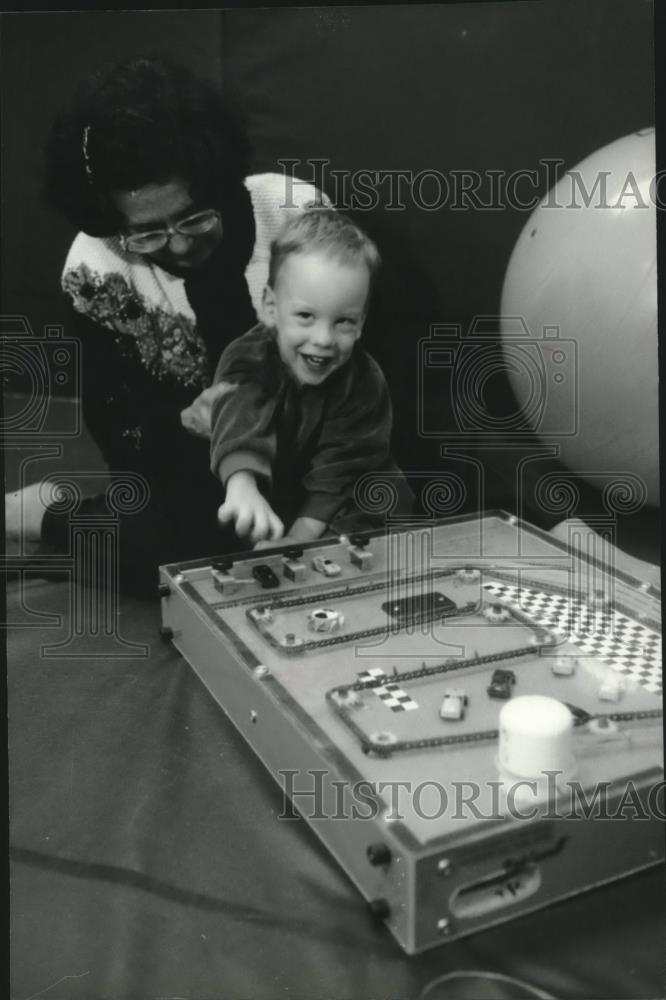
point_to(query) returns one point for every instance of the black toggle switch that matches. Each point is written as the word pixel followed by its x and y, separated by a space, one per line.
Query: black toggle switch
pixel 222 565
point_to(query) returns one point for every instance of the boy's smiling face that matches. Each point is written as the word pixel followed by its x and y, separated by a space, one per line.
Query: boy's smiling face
pixel 318 307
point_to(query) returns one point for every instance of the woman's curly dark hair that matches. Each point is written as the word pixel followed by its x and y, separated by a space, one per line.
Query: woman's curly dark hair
pixel 148 121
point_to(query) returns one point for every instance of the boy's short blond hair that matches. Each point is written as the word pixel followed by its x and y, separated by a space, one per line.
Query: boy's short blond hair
pixel 323 230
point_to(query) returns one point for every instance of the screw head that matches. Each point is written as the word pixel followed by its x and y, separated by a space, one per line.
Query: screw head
pixel 444 866
pixel 444 925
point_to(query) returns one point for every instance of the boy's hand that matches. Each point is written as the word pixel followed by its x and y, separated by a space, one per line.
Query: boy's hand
pixel 268 544
pixel 249 510
pixel 304 529
pixel 307 529
pixel 196 418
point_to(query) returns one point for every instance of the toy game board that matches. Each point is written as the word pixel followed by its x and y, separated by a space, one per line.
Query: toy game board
pixel 369 673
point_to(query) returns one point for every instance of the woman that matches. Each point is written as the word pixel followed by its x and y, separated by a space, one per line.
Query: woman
pixel 168 267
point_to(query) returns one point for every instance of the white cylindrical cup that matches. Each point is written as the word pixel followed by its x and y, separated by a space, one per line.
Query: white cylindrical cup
pixel 536 735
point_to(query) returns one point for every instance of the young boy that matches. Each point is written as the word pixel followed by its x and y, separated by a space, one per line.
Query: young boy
pixel 309 412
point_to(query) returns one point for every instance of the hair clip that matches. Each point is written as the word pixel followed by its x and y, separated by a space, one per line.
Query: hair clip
pixel 86 157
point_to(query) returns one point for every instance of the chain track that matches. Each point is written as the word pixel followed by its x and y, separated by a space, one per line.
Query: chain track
pixel 335 640
pixel 443 668
pixel 483 736
pixel 486 735
pixel 371 633
pixel 653 713
pixel 353 591
pixel 433 741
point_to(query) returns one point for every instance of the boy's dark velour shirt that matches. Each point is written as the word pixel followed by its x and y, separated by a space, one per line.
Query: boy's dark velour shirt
pixel 307 445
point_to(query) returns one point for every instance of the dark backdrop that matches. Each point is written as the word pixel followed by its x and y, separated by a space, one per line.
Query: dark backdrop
pixel 471 86
pixel 44 58
pixel 487 86
pixel 457 87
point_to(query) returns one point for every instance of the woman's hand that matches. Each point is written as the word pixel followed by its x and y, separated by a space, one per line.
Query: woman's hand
pixel 250 512
pixel 24 513
pixel 196 417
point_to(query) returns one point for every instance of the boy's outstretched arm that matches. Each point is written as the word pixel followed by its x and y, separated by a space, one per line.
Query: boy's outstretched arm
pixel 250 512
pixel 243 441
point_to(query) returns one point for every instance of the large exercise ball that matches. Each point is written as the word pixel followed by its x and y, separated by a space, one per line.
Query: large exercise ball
pixel 583 278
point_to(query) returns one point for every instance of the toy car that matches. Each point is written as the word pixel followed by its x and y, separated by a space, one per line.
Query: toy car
pixel 325 566
pixel 264 575
pixel 325 620
pixel 453 704
pixel 545 637
pixel 563 666
pixel 501 684
pixel 611 689
pixel 467 575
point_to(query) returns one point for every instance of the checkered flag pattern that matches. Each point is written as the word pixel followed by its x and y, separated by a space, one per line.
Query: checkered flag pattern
pixel 369 676
pixel 390 693
pixel 628 647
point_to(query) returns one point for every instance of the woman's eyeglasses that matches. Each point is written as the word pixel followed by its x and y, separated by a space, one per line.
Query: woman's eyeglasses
pixel 150 242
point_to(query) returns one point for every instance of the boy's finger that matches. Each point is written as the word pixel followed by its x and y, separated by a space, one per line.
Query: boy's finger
pixel 260 530
pixel 276 527
pixel 244 522
pixel 224 514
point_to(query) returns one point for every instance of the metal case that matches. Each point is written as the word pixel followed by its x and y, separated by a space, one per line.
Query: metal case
pixel 431 878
